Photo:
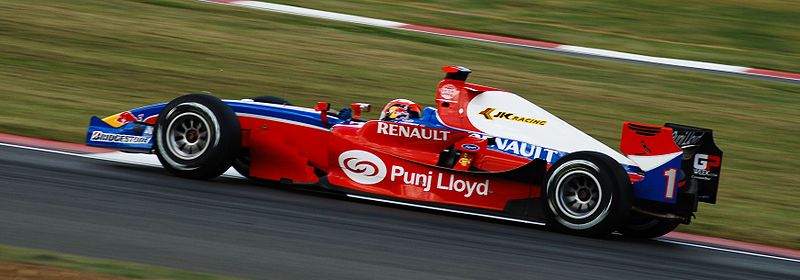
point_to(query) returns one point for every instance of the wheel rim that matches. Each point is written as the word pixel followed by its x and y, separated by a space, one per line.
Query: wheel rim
pixel 578 194
pixel 187 136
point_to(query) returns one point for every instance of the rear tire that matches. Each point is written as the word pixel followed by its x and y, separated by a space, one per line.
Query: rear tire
pixel 643 226
pixel 588 193
pixel 197 136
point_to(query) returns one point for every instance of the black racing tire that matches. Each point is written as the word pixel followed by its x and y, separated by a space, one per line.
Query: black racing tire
pixel 587 193
pixel 197 136
pixel 644 226
pixel 242 161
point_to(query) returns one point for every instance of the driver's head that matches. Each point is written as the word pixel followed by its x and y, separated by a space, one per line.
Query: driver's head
pixel 400 109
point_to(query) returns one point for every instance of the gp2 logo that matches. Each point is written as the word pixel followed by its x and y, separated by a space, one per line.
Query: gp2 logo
pixel 705 162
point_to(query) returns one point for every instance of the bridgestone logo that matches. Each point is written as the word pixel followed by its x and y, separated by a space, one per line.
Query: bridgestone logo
pixel 99 136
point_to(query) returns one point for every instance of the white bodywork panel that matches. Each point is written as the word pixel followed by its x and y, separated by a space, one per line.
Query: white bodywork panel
pixel 554 133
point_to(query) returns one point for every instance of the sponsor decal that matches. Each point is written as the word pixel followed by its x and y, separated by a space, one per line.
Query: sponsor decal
pixel 470 147
pixel 703 164
pixel 525 150
pixel 479 136
pixel 464 161
pixel 448 91
pixel 127 116
pixel 366 168
pixel 687 138
pixel 99 136
pixel 362 167
pixel 489 114
pixel 443 182
pixel 412 131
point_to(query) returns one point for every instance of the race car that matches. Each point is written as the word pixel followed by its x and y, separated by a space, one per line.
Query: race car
pixel 480 151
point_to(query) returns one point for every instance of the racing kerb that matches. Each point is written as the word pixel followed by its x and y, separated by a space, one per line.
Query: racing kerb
pixel 533 44
pixel 80 150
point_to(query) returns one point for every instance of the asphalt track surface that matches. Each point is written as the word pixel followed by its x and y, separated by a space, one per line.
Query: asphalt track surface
pixel 233 227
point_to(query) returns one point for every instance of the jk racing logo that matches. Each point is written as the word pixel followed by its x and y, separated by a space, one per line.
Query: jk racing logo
pixel 490 114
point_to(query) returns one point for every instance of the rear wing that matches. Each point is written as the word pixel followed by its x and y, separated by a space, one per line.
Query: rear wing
pixel 659 149
pixel 702 159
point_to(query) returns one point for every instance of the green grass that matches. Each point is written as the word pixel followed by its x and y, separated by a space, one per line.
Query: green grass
pixel 761 33
pixel 63 61
pixel 106 267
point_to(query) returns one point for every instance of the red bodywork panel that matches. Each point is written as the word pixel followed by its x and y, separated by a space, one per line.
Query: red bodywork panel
pixel 452 97
pixel 393 158
pixel 363 159
pixel 406 161
pixel 640 139
pixel 282 151
pixel 646 140
pixel 406 141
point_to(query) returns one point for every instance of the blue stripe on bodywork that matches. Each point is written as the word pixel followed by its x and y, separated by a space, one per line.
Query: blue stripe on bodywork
pixel 282 112
pixel 654 185
pixel 526 150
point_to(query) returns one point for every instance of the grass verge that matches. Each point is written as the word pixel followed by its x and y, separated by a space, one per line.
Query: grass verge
pixel 95 57
pixel 759 33
pixel 99 266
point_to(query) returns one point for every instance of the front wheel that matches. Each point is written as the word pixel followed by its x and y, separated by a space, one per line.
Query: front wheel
pixel 588 193
pixel 197 136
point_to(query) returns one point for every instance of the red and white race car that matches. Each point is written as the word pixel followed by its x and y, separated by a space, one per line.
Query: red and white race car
pixel 482 151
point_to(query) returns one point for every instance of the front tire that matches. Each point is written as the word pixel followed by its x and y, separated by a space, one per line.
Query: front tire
pixel 588 193
pixel 197 136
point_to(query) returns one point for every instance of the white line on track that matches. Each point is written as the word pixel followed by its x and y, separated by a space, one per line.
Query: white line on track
pixel 119 157
pixel 41 150
pixel 152 161
pixel 299 11
pixel 727 250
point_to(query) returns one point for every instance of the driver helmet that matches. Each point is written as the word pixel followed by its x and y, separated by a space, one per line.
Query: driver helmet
pixel 400 109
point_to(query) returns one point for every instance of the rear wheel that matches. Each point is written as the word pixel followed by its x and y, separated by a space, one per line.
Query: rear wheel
pixel 588 193
pixel 644 226
pixel 197 136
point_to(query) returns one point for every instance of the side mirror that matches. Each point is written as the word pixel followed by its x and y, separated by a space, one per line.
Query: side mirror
pixel 323 108
pixel 359 108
